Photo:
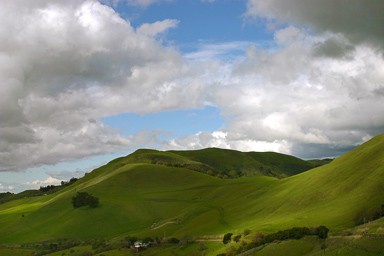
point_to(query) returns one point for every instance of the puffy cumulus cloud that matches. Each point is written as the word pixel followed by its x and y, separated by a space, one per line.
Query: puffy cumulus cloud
pixel 47 181
pixel 66 64
pixel 312 104
pixel 223 139
pixel 359 21
pixel 311 95
pixel 200 140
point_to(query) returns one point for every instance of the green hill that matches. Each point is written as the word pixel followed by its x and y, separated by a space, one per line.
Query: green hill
pixel 145 198
pixel 226 163
pixel 213 161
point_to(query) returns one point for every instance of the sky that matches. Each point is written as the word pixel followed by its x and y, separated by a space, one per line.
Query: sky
pixel 86 81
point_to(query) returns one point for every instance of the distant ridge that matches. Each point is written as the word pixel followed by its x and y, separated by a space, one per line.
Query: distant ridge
pixel 226 163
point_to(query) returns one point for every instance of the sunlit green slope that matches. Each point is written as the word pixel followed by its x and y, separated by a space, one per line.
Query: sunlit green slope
pixel 227 163
pixel 150 199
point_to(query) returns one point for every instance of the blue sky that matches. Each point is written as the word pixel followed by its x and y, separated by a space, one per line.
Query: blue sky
pixel 84 82
pixel 172 123
pixel 199 21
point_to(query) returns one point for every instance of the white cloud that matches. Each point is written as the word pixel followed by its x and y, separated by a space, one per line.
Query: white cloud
pixel 294 94
pixel 221 139
pixel 6 188
pixel 200 140
pixel 66 64
pixel 208 52
pixel 312 95
pixel 153 29
pixel 47 181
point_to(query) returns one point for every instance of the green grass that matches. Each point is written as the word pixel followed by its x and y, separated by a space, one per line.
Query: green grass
pixel 16 251
pixel 77 250
pixel 303 246
pixel 310 246
pixel 151 199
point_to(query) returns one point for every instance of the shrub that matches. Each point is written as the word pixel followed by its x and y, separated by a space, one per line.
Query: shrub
pixel 227 238
pixel 236 238
pixel 322 232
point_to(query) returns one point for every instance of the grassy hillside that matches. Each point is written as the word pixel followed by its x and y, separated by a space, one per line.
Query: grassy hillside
pixel 150 199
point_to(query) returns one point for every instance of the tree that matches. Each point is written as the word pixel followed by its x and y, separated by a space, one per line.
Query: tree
pixel 236 238
pixel 322 232
pixel 73 180
pixel 227 238
pixel 84 199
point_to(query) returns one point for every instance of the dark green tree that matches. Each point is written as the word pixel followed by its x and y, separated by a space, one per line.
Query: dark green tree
pixel 227 238
pixel 322 232
pixel 236 238
pixel 84 199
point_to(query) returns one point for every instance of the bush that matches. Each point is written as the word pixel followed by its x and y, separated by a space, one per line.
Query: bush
pixel 84 199
pixel 227 238
pixel 322 232
pixel 236 238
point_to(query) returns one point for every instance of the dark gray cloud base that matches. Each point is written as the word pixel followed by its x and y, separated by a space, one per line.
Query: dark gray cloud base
pixel 359 21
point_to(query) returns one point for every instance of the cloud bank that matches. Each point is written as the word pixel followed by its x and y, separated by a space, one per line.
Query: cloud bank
pixel 66 64
pixel 315 91
pixel 359 21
